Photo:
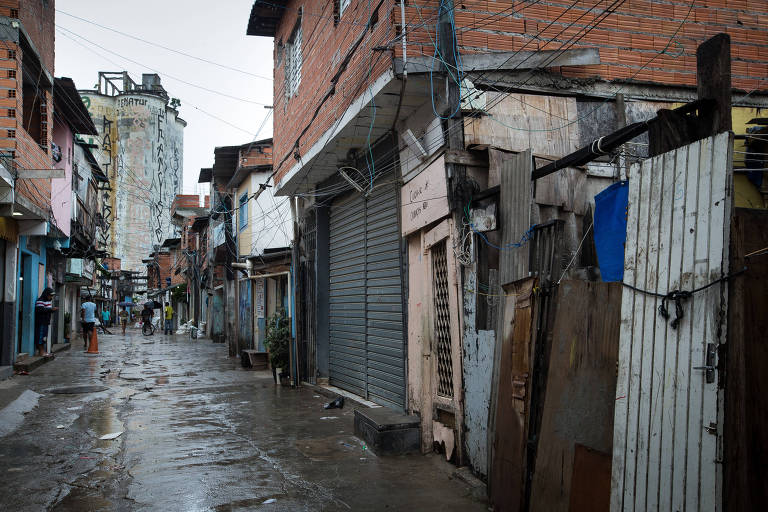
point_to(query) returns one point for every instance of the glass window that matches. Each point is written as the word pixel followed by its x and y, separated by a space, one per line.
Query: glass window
pixel 243 215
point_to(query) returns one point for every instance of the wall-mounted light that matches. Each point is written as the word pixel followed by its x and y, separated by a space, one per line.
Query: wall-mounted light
pixel 18 213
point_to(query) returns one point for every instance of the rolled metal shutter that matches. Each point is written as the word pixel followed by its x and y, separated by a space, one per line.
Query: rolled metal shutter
pixel 347 360
pixel 367 344
pixel 384 299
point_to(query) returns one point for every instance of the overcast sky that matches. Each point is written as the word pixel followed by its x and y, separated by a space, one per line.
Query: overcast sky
pixel 214 31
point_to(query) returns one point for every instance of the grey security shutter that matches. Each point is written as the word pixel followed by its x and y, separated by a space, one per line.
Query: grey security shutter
pixel 347 363
pixel 384 299
pixel 367 344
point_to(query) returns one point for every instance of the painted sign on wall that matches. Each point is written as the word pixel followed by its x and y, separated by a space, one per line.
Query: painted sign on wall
pixel 258 292
pixel 424 199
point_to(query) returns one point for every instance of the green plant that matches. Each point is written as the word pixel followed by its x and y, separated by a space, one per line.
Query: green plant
pixel 179 294
pixel 67 324
pixel 277 339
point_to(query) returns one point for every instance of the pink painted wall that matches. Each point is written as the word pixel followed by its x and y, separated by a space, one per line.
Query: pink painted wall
pixel 61 188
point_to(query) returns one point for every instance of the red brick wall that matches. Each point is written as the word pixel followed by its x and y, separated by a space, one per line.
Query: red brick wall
pixel 185 201
pixel 323 47
pixel 632 42
pixel 39 20
pixel 261 155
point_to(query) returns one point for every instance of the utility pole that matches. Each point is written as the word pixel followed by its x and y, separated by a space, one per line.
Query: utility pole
pixel 453 126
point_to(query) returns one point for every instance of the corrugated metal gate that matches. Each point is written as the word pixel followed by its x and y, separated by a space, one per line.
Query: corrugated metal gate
pixel 667 426
pixel 367 347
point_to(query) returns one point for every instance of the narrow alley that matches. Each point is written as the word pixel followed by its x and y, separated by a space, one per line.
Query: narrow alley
pixel 199 433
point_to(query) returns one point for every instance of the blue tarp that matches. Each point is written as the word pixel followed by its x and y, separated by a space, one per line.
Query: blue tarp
pixel 611 230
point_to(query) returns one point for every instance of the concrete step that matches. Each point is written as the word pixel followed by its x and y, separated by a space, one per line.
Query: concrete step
pixel 21 356
pixel 58 347
pixel 30 363
pixel 254 359
pixel 387 432
pixel 6 372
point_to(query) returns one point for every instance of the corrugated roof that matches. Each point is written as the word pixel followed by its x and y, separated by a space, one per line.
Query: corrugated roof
pixel 265 16
pixel 70 107
pixel 205 176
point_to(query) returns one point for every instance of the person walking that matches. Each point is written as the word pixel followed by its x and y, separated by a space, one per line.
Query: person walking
pixel 43 309
pixel 105 317
pixel 123 318
pixel 168 328
pixel 87 319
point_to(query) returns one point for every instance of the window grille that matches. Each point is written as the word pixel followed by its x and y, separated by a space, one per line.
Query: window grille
pixel 14 13
pixel 11 112
pixel 442 317
pixel 11 134
pixel 11 93
pixel 12 54
pixel 293 62
pixel 11 73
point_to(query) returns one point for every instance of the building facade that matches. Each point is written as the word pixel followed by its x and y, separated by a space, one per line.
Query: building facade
pixel 396 130
pixel 140 146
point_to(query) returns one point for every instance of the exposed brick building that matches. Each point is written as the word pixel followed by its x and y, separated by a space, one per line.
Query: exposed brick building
pixel 393 120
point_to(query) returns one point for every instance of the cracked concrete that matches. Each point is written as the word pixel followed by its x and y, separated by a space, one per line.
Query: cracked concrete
pixel 200 433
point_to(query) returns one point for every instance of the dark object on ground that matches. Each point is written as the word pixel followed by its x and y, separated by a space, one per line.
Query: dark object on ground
pixel 387 432
pixel 254 359
pixel 336 404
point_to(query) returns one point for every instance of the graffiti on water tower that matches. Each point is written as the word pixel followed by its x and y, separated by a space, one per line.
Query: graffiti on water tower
pixel 141 141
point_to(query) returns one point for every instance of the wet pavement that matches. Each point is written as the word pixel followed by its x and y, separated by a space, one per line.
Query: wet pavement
pixel 199 433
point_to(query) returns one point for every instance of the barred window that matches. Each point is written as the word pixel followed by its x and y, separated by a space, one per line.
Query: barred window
pixel 293 62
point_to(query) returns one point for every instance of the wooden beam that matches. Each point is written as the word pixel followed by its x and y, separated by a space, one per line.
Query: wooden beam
pixel 41 173
pixel 505 61
pixel 461 157
pixel 713 78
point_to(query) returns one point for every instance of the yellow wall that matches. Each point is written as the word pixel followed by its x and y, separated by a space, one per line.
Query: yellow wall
pixel 746 194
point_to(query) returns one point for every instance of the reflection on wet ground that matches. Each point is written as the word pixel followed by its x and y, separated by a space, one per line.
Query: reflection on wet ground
pixel 199 433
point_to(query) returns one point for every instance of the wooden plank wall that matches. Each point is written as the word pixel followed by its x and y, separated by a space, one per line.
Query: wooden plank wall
pixel 579 402
pixel 666 416
pixel 507 431
pixel 746 388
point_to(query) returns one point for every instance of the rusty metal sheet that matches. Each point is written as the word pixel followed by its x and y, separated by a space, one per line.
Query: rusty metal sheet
pixel 508 455
pixel 579 400
pixel 515 214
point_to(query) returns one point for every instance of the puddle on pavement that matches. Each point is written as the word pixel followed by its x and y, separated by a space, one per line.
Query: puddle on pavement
pixel 248 504
pixel 76 390
pixel 80 499
pixel 101 419
pixel 331 448
pixel 161 379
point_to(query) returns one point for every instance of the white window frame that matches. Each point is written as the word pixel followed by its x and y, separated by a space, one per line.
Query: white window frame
pixel 343 4
pixel 293 61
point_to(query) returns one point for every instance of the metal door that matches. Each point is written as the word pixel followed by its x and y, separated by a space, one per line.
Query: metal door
pixel 367 346
pixel 347 357
pixel 667 427
pixel 385 351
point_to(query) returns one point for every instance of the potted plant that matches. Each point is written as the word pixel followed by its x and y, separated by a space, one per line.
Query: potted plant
pixel 67 324
pixel 277 341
